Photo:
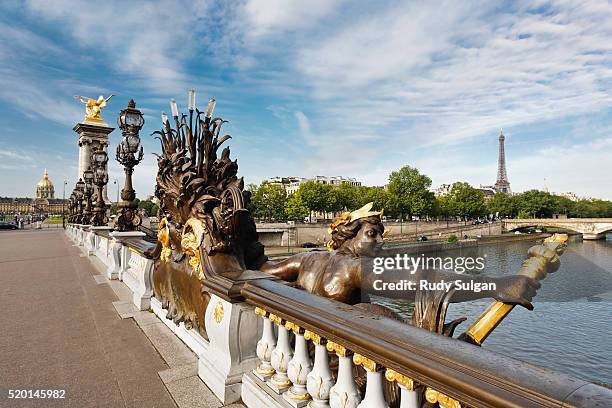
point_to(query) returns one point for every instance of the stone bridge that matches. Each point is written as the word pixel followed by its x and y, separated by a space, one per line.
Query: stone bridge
pixel 590 228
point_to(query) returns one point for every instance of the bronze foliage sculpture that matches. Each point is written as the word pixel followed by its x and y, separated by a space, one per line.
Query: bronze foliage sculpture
pixel 205 228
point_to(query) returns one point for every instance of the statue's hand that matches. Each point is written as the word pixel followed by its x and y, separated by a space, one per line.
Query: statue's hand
pixel 517 290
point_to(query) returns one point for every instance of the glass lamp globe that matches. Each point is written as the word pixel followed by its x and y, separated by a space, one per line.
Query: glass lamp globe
pixel 130 118
pixel 88 176
pixel 133 141
pixel 100 157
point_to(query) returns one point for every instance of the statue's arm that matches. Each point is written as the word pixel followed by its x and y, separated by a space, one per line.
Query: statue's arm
pixel 516 289
pixel 287 269
pixel 508 289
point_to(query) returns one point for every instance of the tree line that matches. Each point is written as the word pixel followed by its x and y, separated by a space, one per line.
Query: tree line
pixel 408 196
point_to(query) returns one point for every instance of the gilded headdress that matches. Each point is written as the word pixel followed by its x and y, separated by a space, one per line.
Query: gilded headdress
pixel 348 217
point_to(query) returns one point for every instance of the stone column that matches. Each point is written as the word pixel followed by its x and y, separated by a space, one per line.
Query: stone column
pixel 92 136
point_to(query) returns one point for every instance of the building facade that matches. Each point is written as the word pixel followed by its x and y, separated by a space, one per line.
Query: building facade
pixel 43 203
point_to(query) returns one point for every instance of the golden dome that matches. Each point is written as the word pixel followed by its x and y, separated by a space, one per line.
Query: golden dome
pixel 45 182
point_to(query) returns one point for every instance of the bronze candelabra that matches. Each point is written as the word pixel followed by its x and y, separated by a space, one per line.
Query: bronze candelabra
pixel 87 195
pixel 100 178
pixel 129 154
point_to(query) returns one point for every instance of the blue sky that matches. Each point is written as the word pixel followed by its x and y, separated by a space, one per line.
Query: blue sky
pixel 356 89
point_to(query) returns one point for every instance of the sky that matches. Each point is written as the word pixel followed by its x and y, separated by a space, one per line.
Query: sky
pixel 320 87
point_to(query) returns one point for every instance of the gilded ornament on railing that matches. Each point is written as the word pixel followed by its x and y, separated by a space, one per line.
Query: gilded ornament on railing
pixel 367 363
pixel 93 107
pixel 314 337
pixel 444 401
pixel 276 319
pixel 218 312
pixel 392 375
pixel 338 349
pixel 261 312
pixel 294 328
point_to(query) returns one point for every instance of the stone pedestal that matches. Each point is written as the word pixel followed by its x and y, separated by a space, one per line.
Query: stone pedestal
pixel 138 276
pixel 120 253
pixel 92 136
pixel 232 330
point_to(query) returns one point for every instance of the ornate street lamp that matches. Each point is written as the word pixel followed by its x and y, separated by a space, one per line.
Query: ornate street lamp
pixel 80 188
pixel 129 154
pixel 99 158
pixel 71 207
pixel 88 175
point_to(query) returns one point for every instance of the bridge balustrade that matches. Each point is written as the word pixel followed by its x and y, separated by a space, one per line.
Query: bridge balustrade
pixel 421 364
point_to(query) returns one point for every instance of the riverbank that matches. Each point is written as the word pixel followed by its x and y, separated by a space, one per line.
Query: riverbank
pixel 391 248
pixel 442 245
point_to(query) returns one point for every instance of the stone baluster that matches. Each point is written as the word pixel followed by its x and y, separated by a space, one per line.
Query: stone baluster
pixel 408 396
pixel 90 243
pixel 298 369
pixel 374 396
pixel 320 379
pixel 112 272
pixel 444 401
pixel 265 346
pixel 280 358
pixel 344 394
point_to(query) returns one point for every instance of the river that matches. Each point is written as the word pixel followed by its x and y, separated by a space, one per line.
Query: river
pixel 570 328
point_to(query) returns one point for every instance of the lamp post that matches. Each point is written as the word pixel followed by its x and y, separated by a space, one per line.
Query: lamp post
pixel 88 175
pixel 129 154
pixel 80 188
pixel 71 206
pixel 64 204
pixel 99 158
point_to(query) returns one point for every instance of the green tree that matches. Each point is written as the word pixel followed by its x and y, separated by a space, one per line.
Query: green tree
pixel 535 204
pixel 268 202
pixel 466 200
pixel 295 208
pixel 443 206
pixel 314 195
pixel 503 204
pixel 347 197
pixel 147 206
pixel 377 195
pixel 319 197
pixel 409 192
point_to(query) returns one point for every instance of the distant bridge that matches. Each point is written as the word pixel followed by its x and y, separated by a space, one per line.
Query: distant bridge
pixel 590 228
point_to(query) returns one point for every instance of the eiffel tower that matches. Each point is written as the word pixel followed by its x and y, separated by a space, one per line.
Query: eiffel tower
pixel 502 185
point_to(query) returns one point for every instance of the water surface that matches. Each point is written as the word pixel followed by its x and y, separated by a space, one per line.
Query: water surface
pixel 570 328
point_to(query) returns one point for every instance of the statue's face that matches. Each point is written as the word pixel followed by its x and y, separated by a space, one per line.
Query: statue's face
pixel 368 240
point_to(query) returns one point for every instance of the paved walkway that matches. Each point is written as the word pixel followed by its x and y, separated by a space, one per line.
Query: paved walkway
pixel 63 326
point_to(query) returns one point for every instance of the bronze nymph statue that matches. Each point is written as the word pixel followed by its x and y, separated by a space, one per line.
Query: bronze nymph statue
pixel 357 238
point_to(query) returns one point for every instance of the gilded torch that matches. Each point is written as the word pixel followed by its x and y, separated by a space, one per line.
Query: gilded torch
pixel 543 259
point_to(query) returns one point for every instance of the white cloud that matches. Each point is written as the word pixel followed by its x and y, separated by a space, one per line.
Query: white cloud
pixel 427 74
pixel 362 88
pixel 147 41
